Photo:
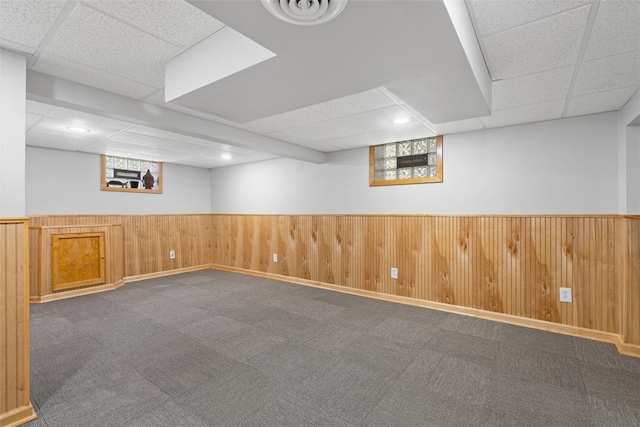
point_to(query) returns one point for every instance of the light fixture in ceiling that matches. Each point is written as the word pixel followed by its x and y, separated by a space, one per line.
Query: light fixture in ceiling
pixel 305 12
pixel 78 129
pixel 401 120
pixel 226 157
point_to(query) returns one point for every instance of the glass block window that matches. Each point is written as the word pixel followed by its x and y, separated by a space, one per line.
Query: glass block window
pixel 406 162
pixel 133 175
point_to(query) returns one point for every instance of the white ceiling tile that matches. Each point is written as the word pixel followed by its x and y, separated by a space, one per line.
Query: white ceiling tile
pixel 355 141
pixel 290 119
pixel 600 102
pixel 89 120
pixel 354 104
pixel 375 120
pixel 60 127
pixel 143 140
pixel 401 134
pixel 177 22
pixel 24 24
pixel 616 29
pixel 157 133
pixel 38 108
pixel 59 141
pixel 531 89
pixel 97 40
pixel 32 119
pixel 162 155
pixel 324 146
pixel 526 114
pixel 329 129
pixel 608 73
pixel 458 127
pixel 66 69
pixel 498 15
pixel 545 45
pixel 108 146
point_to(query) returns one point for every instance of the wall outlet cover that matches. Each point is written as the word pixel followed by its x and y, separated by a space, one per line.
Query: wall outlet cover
pixel 275 257
pixel 565 295
pixel 394 273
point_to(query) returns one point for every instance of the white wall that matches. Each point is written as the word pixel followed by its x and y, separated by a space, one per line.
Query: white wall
pixel 13 69
pixel 567 166
pixel 629 139
pixel 65 182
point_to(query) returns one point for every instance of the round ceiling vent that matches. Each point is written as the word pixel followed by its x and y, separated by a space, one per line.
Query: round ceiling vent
pixel 305 12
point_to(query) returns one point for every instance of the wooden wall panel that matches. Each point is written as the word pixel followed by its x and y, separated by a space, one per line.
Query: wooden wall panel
pixel 505 264
pixel 632 291
pixel 15 406
pixel 147 239
pixel 511 265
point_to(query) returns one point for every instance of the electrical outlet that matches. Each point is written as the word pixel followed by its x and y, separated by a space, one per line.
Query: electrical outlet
pixel 394 273
pixel 275 257
pixel 172 254
pixel 565 295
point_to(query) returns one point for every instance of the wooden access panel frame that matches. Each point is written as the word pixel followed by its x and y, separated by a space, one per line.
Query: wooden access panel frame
pixel 78 259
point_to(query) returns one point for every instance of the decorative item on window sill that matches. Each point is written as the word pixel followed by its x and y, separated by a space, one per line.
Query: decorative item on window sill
pixel 416 161
pixel 131 175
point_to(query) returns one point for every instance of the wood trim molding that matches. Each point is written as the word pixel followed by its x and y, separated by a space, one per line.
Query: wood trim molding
pixel 18 416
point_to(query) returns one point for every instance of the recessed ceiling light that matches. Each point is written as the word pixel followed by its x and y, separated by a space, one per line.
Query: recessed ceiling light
pixel 401 120
pixel 77 129
pixel 225 156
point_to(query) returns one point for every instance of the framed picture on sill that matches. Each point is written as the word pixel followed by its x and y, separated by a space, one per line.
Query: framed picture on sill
pixel 130 175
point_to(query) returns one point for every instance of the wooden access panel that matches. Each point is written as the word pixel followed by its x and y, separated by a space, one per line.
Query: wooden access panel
pixel 77 260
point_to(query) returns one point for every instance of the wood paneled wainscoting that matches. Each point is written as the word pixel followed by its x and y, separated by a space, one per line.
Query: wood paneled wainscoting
pixel 15 407
pixel 506 268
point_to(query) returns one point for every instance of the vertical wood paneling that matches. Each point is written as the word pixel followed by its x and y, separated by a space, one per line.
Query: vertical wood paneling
pixel 632 306
pixel 513 265
pixel 14 322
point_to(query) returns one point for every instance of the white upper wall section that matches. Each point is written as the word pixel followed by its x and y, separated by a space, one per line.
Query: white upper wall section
pixel 65 182
pixel 13 68
pixel 567 166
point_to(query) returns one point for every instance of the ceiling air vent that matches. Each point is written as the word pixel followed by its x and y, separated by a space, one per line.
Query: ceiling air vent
pixel 305 12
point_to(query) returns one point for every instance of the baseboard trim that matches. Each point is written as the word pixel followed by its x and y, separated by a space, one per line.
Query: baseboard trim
pixel 629 349
pixel 18 416
pixel 609 337
pixel 166 273
pixel 76 292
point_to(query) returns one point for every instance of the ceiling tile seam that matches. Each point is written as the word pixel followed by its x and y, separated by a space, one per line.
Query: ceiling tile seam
pixel 185 48
pixel 600 58
pixel 627 101
pixel 479 37
pixel 118 132
pixel 64 14
pixel 522 106
pixel 544 18
pixel 132 25
pixel 595 5
pixel 36 123
pixel 607 90
pixel 399 102
pixel 519 76
pixel 104 71
pixel 18 46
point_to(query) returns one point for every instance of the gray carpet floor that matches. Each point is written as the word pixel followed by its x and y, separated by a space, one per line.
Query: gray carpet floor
pixel 213 348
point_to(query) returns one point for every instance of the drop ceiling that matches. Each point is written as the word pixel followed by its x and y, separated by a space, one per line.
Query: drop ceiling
pixel 546 60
